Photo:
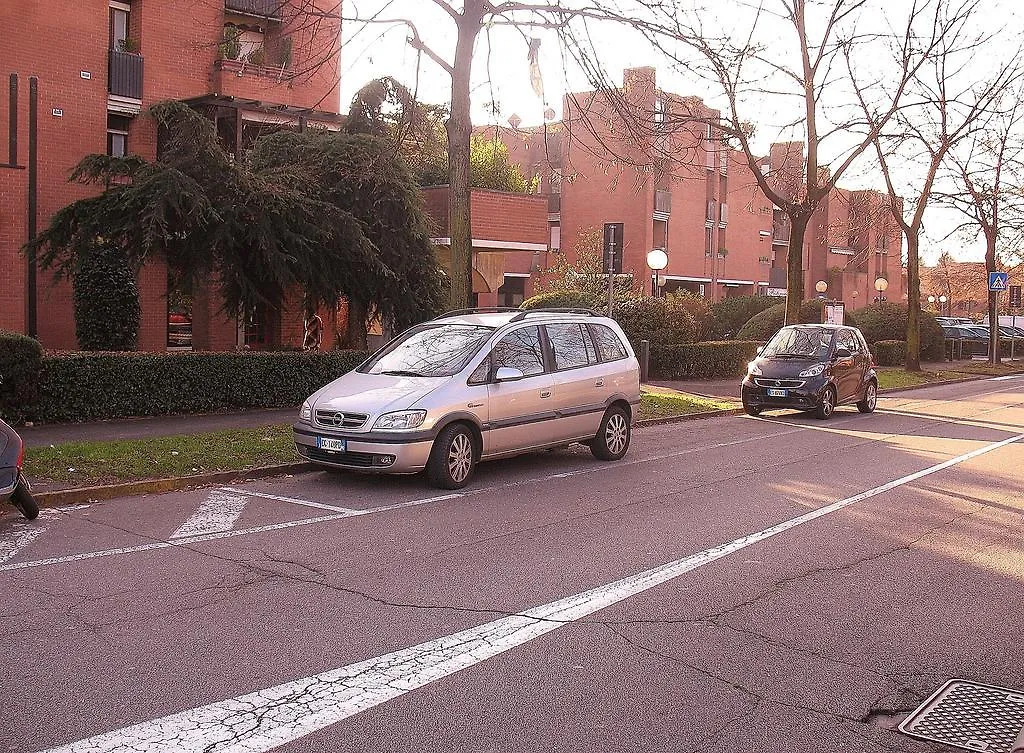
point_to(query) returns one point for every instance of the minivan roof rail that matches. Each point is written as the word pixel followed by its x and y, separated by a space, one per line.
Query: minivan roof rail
pixel 523 314
pixel 478 310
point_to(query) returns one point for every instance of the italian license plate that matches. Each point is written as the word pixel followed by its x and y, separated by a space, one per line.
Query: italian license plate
pixel 777 393
pixel 334 445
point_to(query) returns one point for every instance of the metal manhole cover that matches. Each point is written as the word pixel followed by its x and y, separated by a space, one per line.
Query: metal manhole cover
pixel 969 715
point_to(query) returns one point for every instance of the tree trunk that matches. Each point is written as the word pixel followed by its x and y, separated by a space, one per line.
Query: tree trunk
pixel 355 328
pixel 993 300
pixel 459 127
pixel 913 362
pixel 795 269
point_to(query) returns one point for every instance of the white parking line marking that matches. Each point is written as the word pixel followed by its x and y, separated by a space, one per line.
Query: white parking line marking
pixel 19 536
pixel 1006 378
pixel 266 719
pixel 293 500
pixel 217 513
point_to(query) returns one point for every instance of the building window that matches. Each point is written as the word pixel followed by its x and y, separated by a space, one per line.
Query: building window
pixel 556 180
pixel 709 239
pixel 513 292
pixel 119 25
pixel 117 135
pixel 556 237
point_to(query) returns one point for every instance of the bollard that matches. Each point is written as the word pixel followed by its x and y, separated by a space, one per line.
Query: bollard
pixel 645 358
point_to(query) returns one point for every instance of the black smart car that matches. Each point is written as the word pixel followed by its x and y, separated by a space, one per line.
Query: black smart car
pixel 811 367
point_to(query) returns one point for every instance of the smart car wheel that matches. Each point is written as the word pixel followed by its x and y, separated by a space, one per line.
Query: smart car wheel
pixel 867 405
pixel 751 410
pixel 613 437
pixel 827 404
pixel 452 458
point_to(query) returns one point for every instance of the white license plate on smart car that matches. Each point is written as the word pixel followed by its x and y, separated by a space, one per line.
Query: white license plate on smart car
pixel 334 445
pixel 777 393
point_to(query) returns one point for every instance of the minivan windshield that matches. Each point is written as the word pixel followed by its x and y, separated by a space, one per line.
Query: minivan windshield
pixel 437 351
pixel 799 342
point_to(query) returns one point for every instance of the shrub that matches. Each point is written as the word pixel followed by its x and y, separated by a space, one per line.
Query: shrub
pixel 562 299
pixel 888 321
pixel 728 315
pixel 704 360
pixel 21 360
pixel 762 326
pixel 698 307
pixel 106 301
pixel 890 352
pixel 90 387
pixel 656 320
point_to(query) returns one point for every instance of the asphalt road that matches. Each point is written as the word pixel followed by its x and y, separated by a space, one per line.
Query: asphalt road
pixel 735 584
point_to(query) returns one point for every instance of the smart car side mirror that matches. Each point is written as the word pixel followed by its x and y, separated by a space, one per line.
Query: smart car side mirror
pixel 507 374
pixel 843 353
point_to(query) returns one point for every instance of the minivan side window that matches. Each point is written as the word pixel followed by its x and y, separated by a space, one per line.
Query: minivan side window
pixel 571 346
pixel 609 347
pixel 521 350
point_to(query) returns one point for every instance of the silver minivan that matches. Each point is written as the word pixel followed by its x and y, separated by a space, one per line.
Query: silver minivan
pixel 477 385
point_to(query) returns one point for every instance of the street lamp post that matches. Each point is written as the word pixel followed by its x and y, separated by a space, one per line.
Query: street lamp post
pixel 821 286
pixel 942 303
pixel 657 260
pixel 881 285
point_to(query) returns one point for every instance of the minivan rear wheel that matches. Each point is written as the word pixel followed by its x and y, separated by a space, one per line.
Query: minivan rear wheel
pixel 613 437
pixel 452 458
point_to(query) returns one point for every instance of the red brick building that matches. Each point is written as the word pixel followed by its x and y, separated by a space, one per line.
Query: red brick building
pixel 683 190
pixel 251 65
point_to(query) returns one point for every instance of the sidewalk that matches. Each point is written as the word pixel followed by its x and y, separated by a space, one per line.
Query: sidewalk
pixel 157 426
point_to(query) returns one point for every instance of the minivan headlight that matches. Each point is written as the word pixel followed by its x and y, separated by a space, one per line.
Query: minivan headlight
pixel 306 411
pixel 814 371
pixel 403 419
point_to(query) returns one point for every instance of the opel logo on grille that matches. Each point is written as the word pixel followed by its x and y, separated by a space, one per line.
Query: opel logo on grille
pixel 338 419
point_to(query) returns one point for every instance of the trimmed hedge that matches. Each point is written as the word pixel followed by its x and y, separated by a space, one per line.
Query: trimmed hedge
pixel 762 326
pixel 21 361
pixel 890 352
pixel 730 314
pixel 90 387
pixel 888 321
pixel 562 299
pixel 707 360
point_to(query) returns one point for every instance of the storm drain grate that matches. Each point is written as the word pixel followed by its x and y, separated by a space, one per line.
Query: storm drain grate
pixel 969 715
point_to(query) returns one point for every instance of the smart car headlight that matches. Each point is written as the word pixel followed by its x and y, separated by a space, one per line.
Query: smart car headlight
pixel 753 369
pixel 403 419
pixel 814 371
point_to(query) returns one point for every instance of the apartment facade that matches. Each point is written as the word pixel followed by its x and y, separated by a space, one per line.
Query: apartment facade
pixel 92 68
pixel 666 180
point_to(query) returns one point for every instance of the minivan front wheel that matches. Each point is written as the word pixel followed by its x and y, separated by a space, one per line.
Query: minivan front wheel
pixel 452 458
pixel 613 437
pixel 827 403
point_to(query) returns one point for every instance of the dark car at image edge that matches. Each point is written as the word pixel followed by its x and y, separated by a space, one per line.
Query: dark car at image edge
pixel 813 368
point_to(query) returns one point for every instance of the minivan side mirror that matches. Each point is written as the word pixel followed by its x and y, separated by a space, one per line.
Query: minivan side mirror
pixel 507 374
pixel 843 353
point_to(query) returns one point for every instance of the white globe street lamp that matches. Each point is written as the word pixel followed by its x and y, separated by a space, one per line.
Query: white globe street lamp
pixel 657 260
pixel 881 285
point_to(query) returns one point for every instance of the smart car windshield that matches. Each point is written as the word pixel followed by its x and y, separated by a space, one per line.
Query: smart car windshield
pixel 799 342
pixel 437 351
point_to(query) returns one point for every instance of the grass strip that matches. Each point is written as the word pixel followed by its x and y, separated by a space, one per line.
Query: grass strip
pixel 892 377
pixel 90 463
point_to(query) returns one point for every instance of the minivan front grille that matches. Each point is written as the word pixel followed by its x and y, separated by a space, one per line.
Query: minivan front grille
pixel 787 383
pixel 336 419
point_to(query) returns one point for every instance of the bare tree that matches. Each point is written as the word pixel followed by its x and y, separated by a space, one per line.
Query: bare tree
pixel 945 104
pixel 989 171
pixel 790 54
pixel 466 20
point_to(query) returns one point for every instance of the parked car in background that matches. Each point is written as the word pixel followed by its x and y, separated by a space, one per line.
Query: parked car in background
pixel 476 385
pixel 811 367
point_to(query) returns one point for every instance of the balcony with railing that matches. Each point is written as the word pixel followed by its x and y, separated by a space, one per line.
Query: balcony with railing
pixel 124 74
pixel 270 9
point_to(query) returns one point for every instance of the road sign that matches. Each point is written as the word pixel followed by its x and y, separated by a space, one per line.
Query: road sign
pixel 1015 296
pixel 997 281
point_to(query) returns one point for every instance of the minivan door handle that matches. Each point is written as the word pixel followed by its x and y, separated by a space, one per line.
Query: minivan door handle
pixel 599 383
pixel 474 405
pixel 545 393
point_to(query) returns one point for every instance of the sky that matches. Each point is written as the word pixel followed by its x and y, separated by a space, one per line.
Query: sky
pixel 501 71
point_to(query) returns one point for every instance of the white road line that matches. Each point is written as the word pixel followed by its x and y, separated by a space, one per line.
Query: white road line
pixel 1006 378
pixel 266 719
pixel 183 542
pixel 218 513
pixel 293 500
pixel 19 536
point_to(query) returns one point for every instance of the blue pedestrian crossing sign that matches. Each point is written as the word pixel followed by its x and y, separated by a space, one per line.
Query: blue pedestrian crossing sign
pixel 998 281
